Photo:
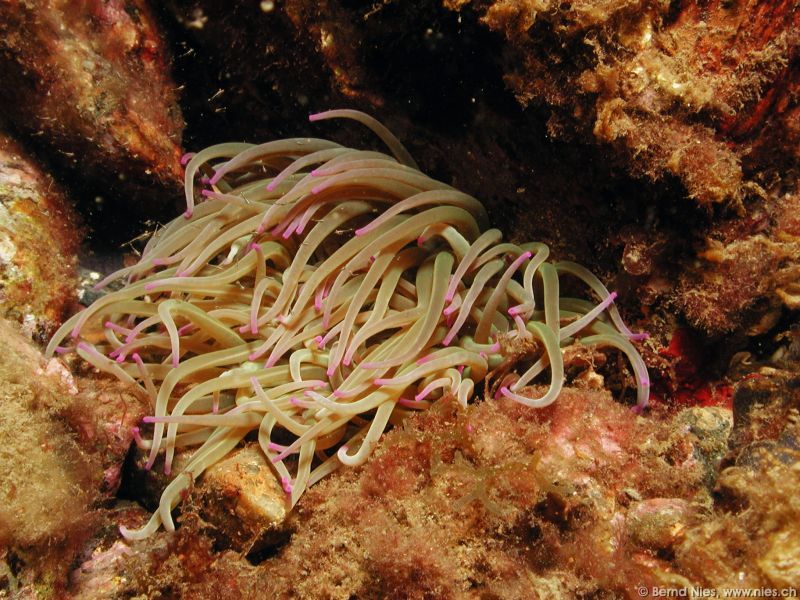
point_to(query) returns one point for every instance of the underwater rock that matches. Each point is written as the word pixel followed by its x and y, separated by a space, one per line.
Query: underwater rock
pixel 239 498
pixel 747 269
pixel 500 501
pixel 657 523
pixel 47 482
pixel 39 236
pixel 752 539
pixel 707 95
pixel 63 442
pixel 763 404
pixel 100 573
pixel 90 83
pixel 109 567
pixel 243 499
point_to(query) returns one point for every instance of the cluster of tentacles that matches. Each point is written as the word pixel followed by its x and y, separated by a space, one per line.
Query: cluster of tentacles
pixel 318 293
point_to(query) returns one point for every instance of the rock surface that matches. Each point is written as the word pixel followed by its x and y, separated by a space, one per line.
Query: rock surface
pixel 63 442
pixel 39 237
pixel 89 82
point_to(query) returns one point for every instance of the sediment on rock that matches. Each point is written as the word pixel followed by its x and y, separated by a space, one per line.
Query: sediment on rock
pixel 89 83
pixel 39 237
pixel 63 442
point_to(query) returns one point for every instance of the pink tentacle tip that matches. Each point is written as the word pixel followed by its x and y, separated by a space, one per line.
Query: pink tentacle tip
pixel 63 349
pixel 149 287
pixel 320 341
pixel 425 359
pixel 449 310
pixel 207 193
pixel 120 358
pixel 271 186
pixel 339 394
pixel 148 466
pixel 461 368
pixel 483 354
pixel 330 371
pixel 205 180
pixel 637 409
pixel 316 189
pixel 645 381
pixel 253 356
pixel 175 362
pixel 514 311
pixel 159 262
pixel 276 447
pixel 360 231
pixel 135 356
pixel 381 381
pixel 187 214
pixel 167 469
pixel 187 157
pixel 494 348
pixel 216 177
pixel 286 484
pixel 186 328
pixel 137 435
pixel 504 391
pixel 639 337
pixel 470 428
pixel 148 419
pixel 315 116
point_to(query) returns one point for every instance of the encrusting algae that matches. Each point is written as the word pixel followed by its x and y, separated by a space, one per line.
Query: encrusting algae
pixel 318 293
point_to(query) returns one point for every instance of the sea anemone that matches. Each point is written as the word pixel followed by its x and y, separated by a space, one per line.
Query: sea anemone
pixel 314 294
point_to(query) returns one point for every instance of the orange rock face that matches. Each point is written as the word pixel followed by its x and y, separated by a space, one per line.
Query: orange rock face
pixel 706 93
pixel 39 235
pixel 90 80
pixel 63 439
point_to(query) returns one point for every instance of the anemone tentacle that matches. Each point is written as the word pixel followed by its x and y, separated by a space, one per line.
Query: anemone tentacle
pixel 316 294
